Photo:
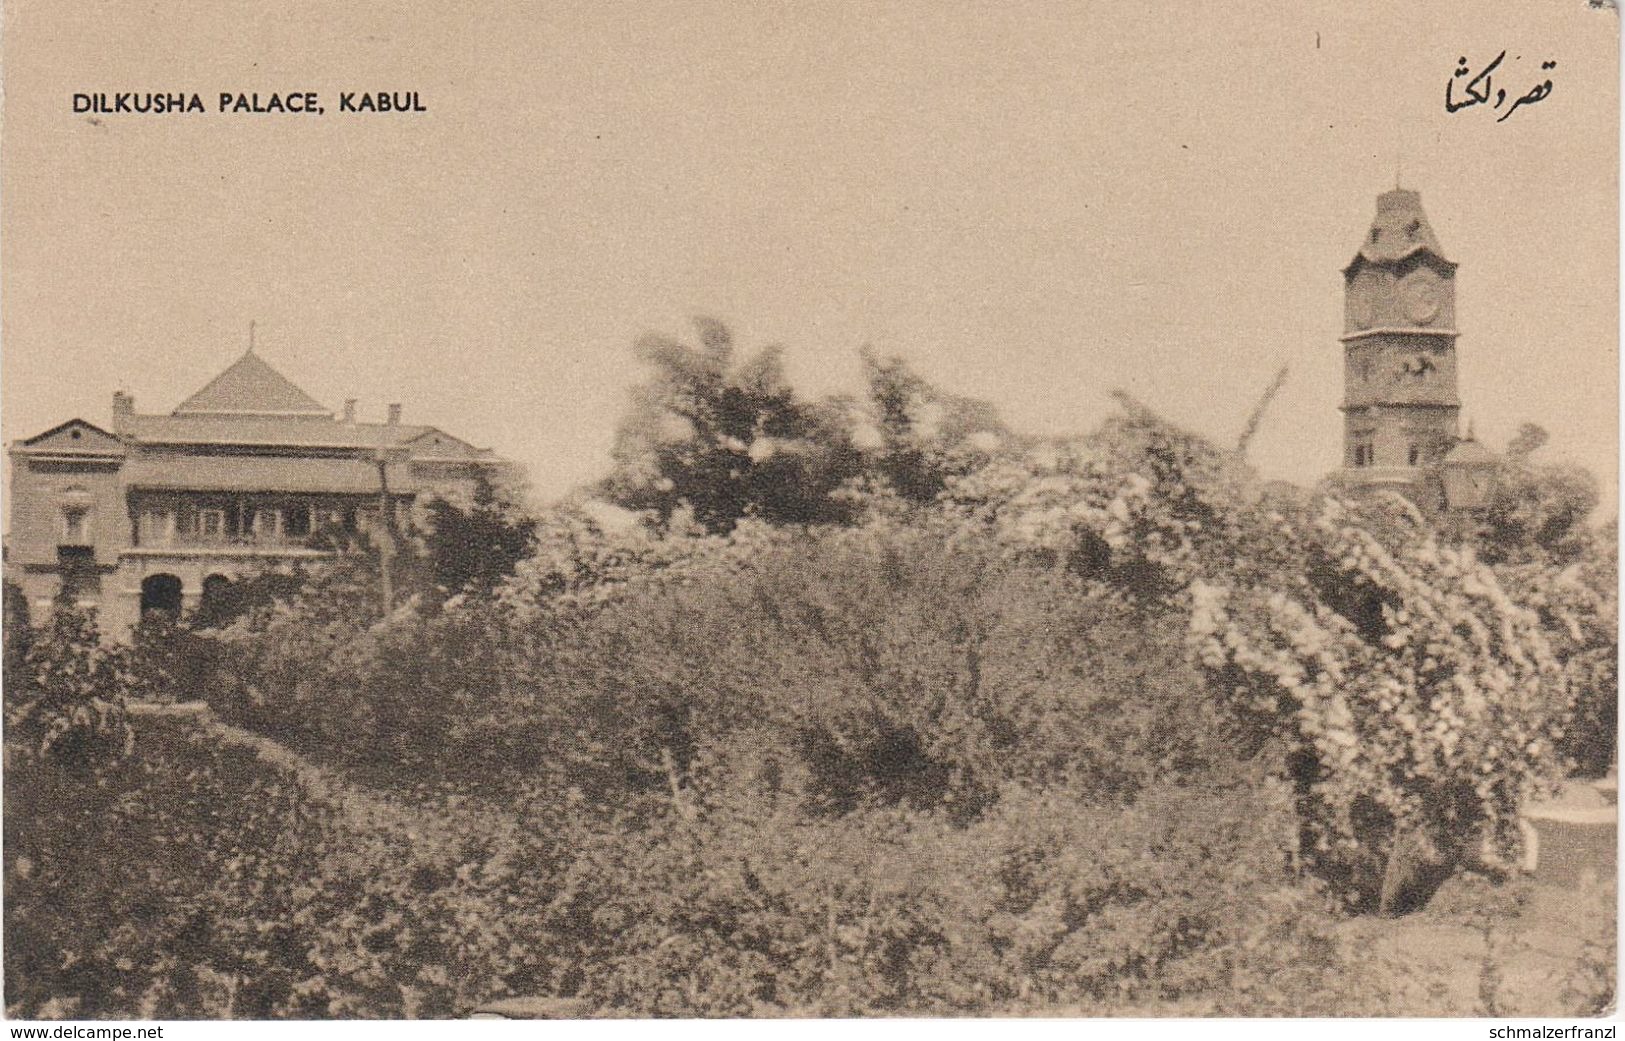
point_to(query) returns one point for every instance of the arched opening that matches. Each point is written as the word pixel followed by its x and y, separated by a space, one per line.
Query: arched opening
pixel 161 593
pixel 215 605
pixel 215 587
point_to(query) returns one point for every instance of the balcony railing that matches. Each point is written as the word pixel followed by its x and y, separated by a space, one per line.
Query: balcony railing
pixel 196 541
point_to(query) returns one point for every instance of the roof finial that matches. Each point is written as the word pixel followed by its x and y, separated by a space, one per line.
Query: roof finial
pixel 1470 436
pixel 1399 152
pixel 250 336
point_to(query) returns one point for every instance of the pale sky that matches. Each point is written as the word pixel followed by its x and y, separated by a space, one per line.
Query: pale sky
pixel 1033 202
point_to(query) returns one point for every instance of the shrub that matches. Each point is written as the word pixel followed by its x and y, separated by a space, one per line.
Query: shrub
pixel 1050 901
pixel 879 665
pixel 200 879
pixel 170 662
pixel 65 700
pixel 1422 694
pixel 1418 701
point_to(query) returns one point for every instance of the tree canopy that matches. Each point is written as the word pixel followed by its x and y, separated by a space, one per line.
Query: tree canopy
pixel 726 438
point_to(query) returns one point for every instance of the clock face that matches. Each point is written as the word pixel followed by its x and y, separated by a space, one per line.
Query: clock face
pixel 1420 295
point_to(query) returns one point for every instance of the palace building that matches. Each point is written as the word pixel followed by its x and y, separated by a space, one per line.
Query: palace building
pixel 1401 410
pixel 159 511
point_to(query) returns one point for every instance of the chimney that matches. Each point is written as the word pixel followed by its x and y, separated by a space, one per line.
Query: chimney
pixel 349 410
pixel 394 415
pixel 123 409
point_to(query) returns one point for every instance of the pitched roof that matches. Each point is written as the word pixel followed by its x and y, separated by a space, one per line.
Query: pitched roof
pixel 293 432
pixel 436 442
pixel 1399 230
pixel 250 387
pixel 285 431
pixel 231 473
pixel 75 437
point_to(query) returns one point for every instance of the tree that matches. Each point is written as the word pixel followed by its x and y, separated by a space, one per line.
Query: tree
pixel 1536 531
pixel 1418 700
pixel 244 595
pixel 916 436
pixel 1537 512
pixel 471 549
pixel 18 630
pixel 728 439
pixel 65 701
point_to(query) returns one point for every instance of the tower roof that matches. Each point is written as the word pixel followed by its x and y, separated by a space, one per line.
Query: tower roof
pixel 250 387
pixel 1469 452
pixel 1399 230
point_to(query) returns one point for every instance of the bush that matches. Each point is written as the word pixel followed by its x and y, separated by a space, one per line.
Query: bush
pixel 198 879
pixel 1421 694
pixel 65 697
pixel 1048 902
pixel 1419 703
pixel 867 771
pixel 882 666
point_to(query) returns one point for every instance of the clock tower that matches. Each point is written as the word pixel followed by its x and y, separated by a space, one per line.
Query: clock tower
pixel 1400 408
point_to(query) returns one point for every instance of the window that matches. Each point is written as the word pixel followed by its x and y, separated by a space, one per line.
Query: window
pixel 1419 367
pixel 327 519
pixel 211 524
pixel 1414 454
pixel 1362 452
pixel 267 523
pixel 155 527
pixel 77 566
pixel 296 522
pixel 76 525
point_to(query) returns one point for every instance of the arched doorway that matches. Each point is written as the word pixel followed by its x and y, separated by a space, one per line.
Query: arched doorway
pixel 214 606
pixel 161 593
pixel 215 588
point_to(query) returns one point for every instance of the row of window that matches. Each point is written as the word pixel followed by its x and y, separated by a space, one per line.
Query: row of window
pixel 158 525
pixel 162 525
pixel 1364 453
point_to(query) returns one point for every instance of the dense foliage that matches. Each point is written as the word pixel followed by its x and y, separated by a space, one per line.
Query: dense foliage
pixel 916 438
pixel 722 439
pixel 470 548
pixel 981 805
pixel 965 723
pixel 199 880
pixel 65 693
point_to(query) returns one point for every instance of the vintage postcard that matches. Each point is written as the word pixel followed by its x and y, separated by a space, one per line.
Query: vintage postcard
pixel 709 509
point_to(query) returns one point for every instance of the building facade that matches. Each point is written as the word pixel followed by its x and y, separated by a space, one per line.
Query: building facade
pixel 1401 408
pixel 158 511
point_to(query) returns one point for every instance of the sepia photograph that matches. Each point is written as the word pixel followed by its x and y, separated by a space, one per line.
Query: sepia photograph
pixel 651 510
